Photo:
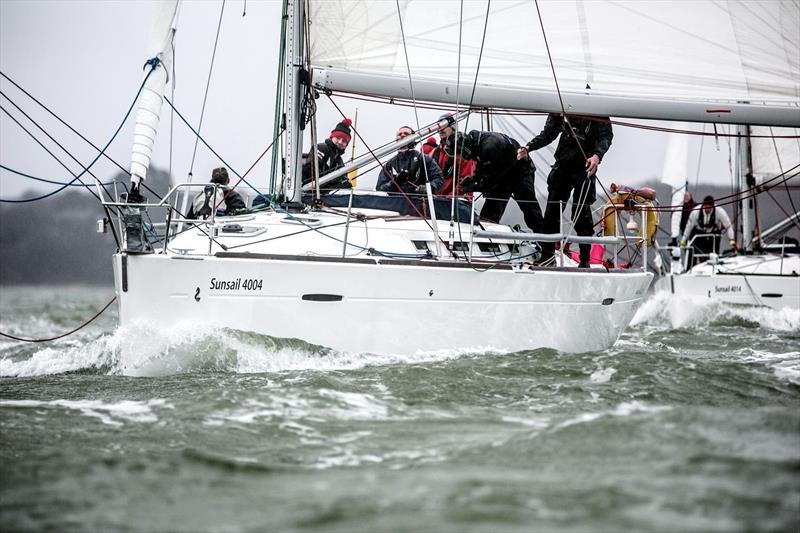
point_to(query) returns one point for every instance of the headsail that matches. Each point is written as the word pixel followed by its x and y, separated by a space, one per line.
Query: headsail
pixel 774 151
pixel 691 61
pixel 675 175
pixel 149 109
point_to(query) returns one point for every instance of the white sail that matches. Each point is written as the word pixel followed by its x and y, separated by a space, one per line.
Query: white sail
pixel 149 109
pixel 774 152
pixel 694 60
pixel 675 174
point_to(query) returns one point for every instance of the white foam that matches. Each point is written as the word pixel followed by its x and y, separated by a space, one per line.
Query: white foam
pixel 786 366
pixel 109 413
pixel 603 375
pixel 624 409
pixel 58 360
pixel 664 308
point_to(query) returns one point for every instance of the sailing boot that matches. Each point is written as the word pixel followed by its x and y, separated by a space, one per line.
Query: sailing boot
pixel 547 254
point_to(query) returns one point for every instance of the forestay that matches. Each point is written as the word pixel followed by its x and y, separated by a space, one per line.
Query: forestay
pixel 636 56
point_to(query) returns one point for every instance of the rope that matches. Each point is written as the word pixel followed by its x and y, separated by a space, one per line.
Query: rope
pixel 100 312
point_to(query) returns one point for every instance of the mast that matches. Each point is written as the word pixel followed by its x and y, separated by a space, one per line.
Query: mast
pixel 745 180
pixel 293 67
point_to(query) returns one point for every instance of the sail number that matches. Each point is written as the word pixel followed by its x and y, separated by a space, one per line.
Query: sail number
pixel 247 284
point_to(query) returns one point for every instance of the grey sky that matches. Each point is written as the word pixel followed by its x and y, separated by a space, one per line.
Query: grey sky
pixel 84 59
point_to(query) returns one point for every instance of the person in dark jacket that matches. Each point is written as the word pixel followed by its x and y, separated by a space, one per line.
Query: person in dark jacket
pixel 329 158
pixel 573 172
pixel 499 174
pixel 409 170
pixel 228 203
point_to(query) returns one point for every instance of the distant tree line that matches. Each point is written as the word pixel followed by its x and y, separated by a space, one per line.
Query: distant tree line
pixel 55 240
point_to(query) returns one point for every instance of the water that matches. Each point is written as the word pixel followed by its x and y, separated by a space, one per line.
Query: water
pixel 690 423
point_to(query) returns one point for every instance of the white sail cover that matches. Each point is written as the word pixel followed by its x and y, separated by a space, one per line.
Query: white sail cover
pixel 695 50
pixel 149 108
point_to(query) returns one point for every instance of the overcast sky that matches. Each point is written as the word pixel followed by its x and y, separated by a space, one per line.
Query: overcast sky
pixel 84 60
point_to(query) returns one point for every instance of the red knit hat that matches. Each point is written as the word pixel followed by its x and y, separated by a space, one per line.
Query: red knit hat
pixel 342 130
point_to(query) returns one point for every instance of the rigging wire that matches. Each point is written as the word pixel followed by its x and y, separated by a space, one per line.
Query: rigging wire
pixel 73 130
pixel 53 182
pixel 582 198
pixel 208 85
pixel 113 136
pixel 780 167
pixel 76 177
pixel 75 159
pixel 194 131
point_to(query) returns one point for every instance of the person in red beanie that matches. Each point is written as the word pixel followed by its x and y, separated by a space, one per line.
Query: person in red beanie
pixel 329 157
pixel 429 146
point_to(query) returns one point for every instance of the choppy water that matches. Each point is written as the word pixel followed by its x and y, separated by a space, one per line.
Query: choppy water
pixel 690 423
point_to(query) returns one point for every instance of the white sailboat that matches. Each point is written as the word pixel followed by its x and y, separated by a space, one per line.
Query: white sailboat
pixel 367 277
pixel 766 271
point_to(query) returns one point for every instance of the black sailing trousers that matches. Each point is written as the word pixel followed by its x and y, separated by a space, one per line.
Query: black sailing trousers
pixel 566 178
pixel 519 183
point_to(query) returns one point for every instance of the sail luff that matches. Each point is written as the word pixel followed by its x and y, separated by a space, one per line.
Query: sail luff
pixel 148 112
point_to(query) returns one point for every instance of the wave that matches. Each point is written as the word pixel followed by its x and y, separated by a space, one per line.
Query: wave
pixel 146 350
pixel 667 310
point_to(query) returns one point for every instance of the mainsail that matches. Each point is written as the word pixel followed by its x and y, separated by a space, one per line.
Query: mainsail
pixel 704 60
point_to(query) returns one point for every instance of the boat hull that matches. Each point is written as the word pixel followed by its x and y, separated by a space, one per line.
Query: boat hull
pixel 777 292
pixel 411 306
pixel 757 279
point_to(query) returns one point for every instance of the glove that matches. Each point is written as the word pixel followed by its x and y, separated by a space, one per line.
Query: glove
pixel 469 184
pixel 421 189
pixel 683 243
pixel 402 178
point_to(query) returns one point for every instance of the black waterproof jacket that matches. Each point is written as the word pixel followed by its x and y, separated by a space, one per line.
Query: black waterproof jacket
pixel 495 156
pixel 329 158
pixel 407 171
pixel 595 138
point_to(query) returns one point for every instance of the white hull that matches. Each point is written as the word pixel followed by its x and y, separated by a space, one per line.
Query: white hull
pixel 369 303
pixel 761 280
pixel 385 308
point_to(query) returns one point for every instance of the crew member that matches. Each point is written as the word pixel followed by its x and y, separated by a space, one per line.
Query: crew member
pixel 409 170
pixel 580 150
pixel 708 224
pixel 499 174
pixel 448 164
pixel 228 202
pixel 329 158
